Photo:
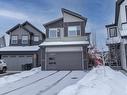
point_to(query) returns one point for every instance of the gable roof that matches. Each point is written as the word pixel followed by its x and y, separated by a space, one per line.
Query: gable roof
pixel 22 26
pixel 73 13
pixel 53 21
pixel 26 22
pixel 17 26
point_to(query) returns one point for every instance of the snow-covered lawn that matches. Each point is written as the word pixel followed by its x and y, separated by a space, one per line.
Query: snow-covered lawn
pixel 99 81
pixel 37 82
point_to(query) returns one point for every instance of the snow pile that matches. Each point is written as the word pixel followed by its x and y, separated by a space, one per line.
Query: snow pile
pixel 12 78
pixel 99 81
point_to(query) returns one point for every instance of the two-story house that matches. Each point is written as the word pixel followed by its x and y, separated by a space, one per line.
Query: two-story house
pixel 66 43
pixel 117 36
pixel 23 50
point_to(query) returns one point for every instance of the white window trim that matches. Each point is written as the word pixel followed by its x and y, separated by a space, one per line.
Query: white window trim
pixel 76 33
pixel 14 39
pixel 55 32
pixel 25 40
pixel 35 40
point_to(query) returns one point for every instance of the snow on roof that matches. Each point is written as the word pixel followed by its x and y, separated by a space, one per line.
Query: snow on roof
pixel 123 32
pixel 20 48
pixel 113 40
pixel 64 43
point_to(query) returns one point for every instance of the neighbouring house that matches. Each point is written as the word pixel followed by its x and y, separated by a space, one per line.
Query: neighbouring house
pixel 117 36
pixel 66 43
pixel 2 42
pixel 23 52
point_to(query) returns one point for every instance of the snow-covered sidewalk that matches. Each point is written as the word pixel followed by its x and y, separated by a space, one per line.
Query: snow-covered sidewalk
pixel 99 81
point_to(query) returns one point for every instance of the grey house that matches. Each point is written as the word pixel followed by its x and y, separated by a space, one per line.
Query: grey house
pixel 23 50
pixel 66 43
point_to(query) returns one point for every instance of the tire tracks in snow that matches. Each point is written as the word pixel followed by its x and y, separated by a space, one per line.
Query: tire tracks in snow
pixel 52 85
pixel 29 84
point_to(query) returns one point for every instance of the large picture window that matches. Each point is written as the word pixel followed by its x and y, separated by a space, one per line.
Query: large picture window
pixel 73 30
pixel 14 39
pixel 24 39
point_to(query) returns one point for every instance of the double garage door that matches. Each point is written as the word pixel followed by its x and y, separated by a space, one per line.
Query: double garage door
pixel 17 62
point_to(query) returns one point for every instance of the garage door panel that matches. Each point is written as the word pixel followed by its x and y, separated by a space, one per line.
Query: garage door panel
pixel 67 61
pixel 15 62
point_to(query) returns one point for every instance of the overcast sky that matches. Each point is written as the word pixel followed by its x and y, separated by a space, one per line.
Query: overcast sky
pixel 38 12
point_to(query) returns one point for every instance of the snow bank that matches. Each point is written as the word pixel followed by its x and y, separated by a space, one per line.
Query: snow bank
pixel 99 81
pixel 12 78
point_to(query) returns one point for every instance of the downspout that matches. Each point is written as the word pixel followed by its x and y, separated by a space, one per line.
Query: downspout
pixel 83 59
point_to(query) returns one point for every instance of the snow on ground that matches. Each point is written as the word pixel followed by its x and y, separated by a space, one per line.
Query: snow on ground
pixel 42 83
pixel 72 78
pixel 99 81
pixel 12 78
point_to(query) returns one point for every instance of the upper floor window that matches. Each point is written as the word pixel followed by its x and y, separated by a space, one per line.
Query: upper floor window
pixel 14 39
pixel 24 39
pixel 53 33
pixel 112 32
pixel 36 38
pixel 73 30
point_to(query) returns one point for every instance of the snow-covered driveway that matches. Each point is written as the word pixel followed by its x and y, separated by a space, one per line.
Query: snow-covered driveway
pixel 42 83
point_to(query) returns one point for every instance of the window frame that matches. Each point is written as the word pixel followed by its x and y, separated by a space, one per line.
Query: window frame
pixel 113 34
pixel 13 41
pixel 56 32
pixel 76 26
pixel 36 37
pixel 25 40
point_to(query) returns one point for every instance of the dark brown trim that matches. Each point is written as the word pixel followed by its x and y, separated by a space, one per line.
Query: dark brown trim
pixel 114 34
pixel 12 29
pixel 126 11
pixel 53 21
pixel 18 26
pixel 118 3
pixel 110 25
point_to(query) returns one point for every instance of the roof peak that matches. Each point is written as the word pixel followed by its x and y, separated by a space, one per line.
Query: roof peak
pixel 73 13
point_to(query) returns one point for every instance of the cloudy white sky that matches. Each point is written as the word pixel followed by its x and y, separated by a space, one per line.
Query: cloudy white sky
pixel 38 12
